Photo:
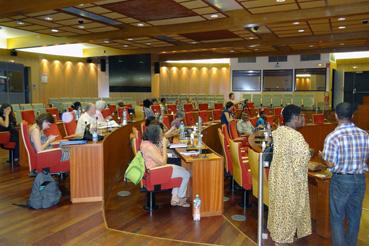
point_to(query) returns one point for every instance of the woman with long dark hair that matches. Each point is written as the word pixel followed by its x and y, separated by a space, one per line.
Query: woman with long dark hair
pixel 8 123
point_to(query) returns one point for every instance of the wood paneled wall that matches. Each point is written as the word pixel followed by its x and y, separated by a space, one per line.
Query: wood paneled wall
pixel 67 77
pixel 194 79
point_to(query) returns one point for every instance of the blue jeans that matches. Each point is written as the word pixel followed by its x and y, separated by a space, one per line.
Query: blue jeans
pixel 346 196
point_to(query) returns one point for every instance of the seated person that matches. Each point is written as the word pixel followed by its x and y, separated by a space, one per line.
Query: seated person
pixel 163 105
pixel 147 108
pixel 179 118
pixel 77 109
pixel 154 101
pixel 227 115
pixel 261 122
pixel 88 117
pixel 100 106
pixel 8 123
pixel 130 110
pixel 154 152
pixel 38 138
pixel 168 133
pixel 244 126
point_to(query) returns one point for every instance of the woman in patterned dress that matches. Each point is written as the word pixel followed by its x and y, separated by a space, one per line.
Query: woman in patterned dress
pixel 289 206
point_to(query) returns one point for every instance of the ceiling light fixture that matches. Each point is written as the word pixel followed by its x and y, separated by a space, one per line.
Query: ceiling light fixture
pixel 231 51
pixel 214 16
pixel 256 49
pixel 48 18
pixel 20 22
pixel 106 41
pixel 320 64
pixel 280 1
pixel 354 67
pixel 129 39
pixel 296 23
pixel 54 30
pixel 341 19
pixel 125 46
pixel 342 44
pixel 140 24
pixel 251 37
pixel 148 43
pixel 301 30
pixel 311 46
pixel 342 27
pixel 81 27
pixel 193 42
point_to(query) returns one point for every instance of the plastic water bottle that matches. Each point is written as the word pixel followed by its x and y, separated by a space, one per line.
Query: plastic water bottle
pixel 94 137
pixel 182 130
pixel 199 140
pixel 196 208
pixel 124 121
pixel 199 124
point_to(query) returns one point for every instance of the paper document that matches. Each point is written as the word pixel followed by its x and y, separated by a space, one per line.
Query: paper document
pixel 189 153
pixel 108 124
pixel 178 145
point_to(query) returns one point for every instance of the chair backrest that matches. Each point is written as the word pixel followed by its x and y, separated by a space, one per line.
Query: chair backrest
pixel 217 113
pixel 53 130
pixel 270 119
pixel 120 111
pixel 203 106
pixel 218 106
pixel 190 119
pixel 253 121
pixel 233 129
pixel 28 116
pixel 155 108
pixel 254 166
pixel 204 115
pixel 106 112
pixel 225 133
pixel 235 156
pixel 250 105
pixel 277 111
pixel 4 137
pixel 227 155
pixel 54 112
pixel 70 127
pixel 25 106
pixel 187 107
pixel 166 121
pixel 112 108
pixel 266 110
pixel 31 152
pixel 171 108
pixel 318 118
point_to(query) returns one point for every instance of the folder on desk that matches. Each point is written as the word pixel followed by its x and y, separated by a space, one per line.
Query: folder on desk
pixel 178 145
pixel 73 142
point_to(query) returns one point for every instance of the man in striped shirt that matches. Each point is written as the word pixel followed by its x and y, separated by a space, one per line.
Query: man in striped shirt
pixel 346 153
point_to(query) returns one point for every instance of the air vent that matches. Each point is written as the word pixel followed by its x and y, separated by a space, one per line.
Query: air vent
pixel 277 58
pixel 311 57
pixel 248 59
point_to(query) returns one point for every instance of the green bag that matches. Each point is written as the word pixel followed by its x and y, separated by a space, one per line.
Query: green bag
pixel 136 169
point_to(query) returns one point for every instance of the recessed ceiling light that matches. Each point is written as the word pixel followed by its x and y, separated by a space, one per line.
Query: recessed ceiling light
pixel 354 67
pixel 214 16
pixel 193 42
pixel 231 51
pixel 48 18
pixel 311 46
pixel 81 5
pixel 106 41
pixel 256 49
pixel 129 39
pixel 253 45
pixel 301 30
pixel 251 37
pixel 341 18
pixel 296 23
pixel 342 27
pixel 140 24
pixel 20 23
pixel 164 52
pixel 342 44
pixel 54 30
pixel 125 46
pixel 81 27
pixel 320 64
pixel 280 1
pixel 148 43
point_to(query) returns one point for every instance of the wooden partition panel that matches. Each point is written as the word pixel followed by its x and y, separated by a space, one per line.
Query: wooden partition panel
pixel 211 139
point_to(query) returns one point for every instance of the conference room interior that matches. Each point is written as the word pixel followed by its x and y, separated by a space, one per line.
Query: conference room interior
pixel 193 53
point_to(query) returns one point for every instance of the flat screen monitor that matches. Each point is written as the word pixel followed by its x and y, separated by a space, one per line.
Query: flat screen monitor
pixel 130 73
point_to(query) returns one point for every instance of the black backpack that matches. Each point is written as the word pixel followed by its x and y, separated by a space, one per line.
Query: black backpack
pixel 45 191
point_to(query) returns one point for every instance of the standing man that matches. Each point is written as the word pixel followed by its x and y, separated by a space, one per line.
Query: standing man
pixel 346 153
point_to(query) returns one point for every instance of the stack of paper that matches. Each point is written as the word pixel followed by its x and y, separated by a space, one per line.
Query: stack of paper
pixel 178 145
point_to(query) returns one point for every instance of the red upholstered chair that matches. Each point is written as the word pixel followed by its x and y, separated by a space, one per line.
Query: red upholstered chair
pixel 318 119
pixel 253 121
pixel 203 106
pixel 277 111
pixel 166 121
pixel 5 143
pixel 45 159
pixel 270 119
pixel 266 111
pixel 158 179
pixel 54 112
pixel 54 130
pixel 120 114
pixel 171 108
pixel 226 153
pixel 106 112
pixel 280 120
pixel 218 106
pixel 156 108
pixel 204 115
pixel 250 105
pixel 112 108
pixel 128 105
pixel 70 127
pixel 217 113
pixel 187 107
pixel 28 116
pixel 234 134
pixel 190 119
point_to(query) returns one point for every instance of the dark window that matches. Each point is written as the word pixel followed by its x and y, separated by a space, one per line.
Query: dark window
pixel 310 57
pixel 247 59
pixel 277 80
pixel 277 58
pixel 310 79
pixel 246 80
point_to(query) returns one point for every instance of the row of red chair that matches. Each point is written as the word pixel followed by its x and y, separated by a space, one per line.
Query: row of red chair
pixel 187 107
pixel 206 116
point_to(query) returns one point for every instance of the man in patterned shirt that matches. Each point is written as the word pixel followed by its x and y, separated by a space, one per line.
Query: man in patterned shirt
pixel 346 153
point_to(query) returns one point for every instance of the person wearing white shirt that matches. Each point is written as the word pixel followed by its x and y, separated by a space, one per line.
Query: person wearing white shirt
pixel 100 106
pixel 88 117
pixel 244 126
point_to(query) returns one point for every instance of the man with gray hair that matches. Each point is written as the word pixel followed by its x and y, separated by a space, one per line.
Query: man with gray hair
pixel 100 106
pixel 87 118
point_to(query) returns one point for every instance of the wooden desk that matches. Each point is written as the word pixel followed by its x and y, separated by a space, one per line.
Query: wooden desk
pixel 207 180
pixel 318 186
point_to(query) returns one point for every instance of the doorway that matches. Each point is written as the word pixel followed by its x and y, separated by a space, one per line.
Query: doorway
pixel 356 86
